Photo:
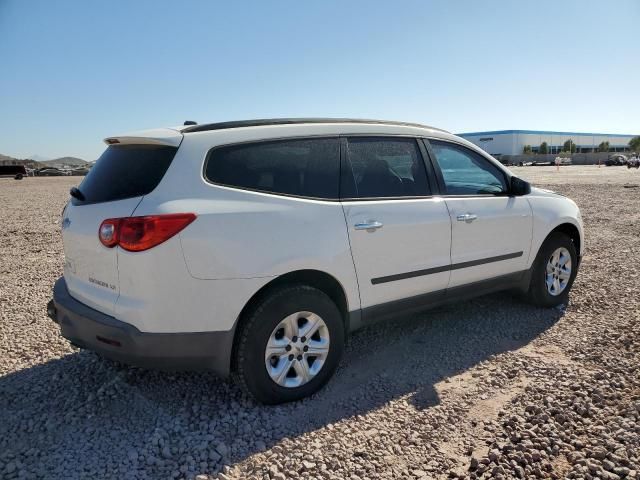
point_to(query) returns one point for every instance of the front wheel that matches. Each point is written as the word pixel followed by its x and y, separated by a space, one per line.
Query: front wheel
pixel 290 344
pixel 553 271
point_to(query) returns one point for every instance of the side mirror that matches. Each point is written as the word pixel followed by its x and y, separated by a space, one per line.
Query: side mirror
pixel 519 187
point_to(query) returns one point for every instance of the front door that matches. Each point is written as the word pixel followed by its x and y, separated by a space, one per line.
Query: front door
pixel 400 235
pixel 490 230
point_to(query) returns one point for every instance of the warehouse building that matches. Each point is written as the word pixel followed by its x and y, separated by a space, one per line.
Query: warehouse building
pixel 512 142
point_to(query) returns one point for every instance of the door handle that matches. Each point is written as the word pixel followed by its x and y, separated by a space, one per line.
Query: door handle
pixel 370 225
pixel 466 217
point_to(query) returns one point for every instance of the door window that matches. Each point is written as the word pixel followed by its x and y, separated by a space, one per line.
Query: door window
pixel 466 172
pixel 304 167
pixel 382 167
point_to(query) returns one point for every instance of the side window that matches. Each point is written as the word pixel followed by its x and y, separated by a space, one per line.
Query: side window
pixel 384 167
pixel 466 172
pixel 305 167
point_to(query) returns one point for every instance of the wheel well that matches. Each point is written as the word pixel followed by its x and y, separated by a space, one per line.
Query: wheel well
pixel 573 233
pixel 314 278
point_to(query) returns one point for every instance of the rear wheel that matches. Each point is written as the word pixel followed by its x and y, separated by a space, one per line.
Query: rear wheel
pixel 18 176
pixel 553 271
pixel 289 345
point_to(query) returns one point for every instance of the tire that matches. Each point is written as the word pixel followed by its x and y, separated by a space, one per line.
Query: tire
pixel 538 293
pixel 259 328
pixel 18 176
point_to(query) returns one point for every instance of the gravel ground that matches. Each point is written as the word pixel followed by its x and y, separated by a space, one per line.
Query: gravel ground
pixel 485 388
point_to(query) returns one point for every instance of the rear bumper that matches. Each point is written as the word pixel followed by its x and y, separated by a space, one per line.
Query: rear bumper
pixel 87 328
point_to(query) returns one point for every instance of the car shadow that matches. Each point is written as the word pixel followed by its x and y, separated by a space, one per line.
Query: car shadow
pixel 99 417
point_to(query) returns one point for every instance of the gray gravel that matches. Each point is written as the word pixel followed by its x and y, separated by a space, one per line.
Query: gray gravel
pixel 486 388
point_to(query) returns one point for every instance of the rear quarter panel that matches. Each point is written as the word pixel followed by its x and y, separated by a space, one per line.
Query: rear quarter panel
pixel 252 235
pixel 159 295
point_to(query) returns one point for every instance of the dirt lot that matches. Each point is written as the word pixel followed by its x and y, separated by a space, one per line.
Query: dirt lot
pixel 486 388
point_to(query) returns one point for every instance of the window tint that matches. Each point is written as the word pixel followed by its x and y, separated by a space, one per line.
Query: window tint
pixel 384 167
pixel 125 171
pixel 466 172
pixel 306 167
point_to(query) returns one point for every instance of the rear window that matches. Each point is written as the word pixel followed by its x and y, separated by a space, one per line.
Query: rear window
pixel 304 167
pixel 125 171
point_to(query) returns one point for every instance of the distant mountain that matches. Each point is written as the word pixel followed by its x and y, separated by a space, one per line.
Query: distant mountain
pixel 7 160
pixel 55 163
pixel 65 161
pixel 39 158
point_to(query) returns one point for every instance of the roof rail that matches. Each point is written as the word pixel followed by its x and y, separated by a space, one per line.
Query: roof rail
pixel 291 121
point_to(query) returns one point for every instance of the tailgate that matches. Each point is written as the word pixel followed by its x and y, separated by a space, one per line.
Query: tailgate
pixel 91 269
pixel 113 188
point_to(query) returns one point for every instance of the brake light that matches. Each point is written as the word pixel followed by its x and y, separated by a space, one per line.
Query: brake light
pixel 136 234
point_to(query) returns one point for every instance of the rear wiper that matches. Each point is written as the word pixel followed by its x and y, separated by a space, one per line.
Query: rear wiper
pixel 76 193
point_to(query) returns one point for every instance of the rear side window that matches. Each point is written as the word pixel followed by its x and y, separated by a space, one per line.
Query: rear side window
pixel 383 167
pixel 305 167
pixel 125 171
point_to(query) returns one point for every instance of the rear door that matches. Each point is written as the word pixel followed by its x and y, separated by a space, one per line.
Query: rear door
pixel 112 189
pixel 491 230
pixel 399 234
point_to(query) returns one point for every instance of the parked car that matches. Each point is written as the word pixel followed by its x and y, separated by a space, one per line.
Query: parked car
pixel 49 172
pixel 616 160
pixel 79 171
pixel 562 161
pixel 18 172
pixel 255 247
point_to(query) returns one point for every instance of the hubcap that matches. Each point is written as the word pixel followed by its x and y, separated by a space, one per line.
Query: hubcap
pixel 558 271
pixel 297 349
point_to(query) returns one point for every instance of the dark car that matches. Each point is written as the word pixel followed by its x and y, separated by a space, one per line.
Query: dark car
pixel 616 160
pixel 15 171
pixel 49 172
pixel 79 171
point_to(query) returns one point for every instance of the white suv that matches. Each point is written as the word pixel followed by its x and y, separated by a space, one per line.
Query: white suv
pixel 255 247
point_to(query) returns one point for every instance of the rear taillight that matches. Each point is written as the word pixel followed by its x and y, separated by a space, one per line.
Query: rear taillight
pixel 108 232
pixel 136 234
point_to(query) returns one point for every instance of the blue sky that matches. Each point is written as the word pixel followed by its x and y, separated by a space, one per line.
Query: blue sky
pixel 75 71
